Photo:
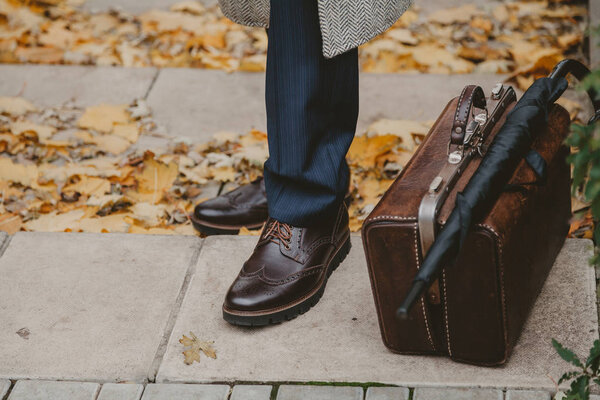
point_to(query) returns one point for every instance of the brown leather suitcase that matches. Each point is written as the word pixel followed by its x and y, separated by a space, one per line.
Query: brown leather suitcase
pixel 475 311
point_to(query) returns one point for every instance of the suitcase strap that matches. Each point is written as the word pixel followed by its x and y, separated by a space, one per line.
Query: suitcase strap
pixel 477 130
pixel 471 97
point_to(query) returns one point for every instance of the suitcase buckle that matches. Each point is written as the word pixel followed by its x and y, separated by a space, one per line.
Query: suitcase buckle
pixel 459 156
pixel 472 134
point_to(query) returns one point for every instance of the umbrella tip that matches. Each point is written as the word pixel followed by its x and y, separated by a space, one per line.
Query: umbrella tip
pixel 402 313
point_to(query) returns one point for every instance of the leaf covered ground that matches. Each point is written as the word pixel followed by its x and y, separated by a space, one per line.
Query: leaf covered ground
pixel 84 170
pixel 523 38
pixel 89 170
pixel 72 169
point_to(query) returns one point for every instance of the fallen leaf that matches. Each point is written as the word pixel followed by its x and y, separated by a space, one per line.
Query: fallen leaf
pixel 89 185
pixel 193 346
pixel 26 175
pixel 149 214
pixel 10 223
pixel 54 222
pixel 462 14
pixel 15 106
pixel 156 178
pixel 111 143
pixel 130 132
pixel 103 117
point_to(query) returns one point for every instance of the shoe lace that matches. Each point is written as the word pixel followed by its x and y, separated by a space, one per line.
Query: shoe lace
pixel 279 232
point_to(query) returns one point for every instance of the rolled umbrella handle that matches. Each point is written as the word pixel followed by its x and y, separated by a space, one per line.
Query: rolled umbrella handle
pixel 416 291
pixel 579 71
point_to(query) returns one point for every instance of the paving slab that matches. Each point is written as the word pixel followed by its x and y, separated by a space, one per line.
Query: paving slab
pixel 339 339
pixel 186 392
pixel 457 394
pixel 4 386
pixel 53 85
pixel 387 393
pixel 305 392
pixel 196 103
pixel 88 306
pixel 121 391
pixel 51 390
pixel 527 395
pixel 251 392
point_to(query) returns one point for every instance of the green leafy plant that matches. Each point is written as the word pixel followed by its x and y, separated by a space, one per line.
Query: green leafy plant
pixel 585 158
pixel 586 372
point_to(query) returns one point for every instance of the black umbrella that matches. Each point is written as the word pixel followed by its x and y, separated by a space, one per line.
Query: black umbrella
pixel 509 147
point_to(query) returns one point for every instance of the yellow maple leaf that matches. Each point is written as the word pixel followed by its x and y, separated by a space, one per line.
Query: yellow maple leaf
pixel 193 346
pixel 156 178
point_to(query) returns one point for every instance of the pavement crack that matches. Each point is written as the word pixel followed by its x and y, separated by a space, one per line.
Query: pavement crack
pixel 10 389
pixel 162 347
pixel 4 245
pixel 154 78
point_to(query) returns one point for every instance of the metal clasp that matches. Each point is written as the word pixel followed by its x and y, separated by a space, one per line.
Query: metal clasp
pixel 497 91
pixel 473 130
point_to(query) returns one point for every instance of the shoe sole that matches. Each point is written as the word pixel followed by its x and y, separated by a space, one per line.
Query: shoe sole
pixel 291 312
pixel 214 229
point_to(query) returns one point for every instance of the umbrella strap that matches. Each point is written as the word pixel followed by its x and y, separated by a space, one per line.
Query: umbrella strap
pixel 538 165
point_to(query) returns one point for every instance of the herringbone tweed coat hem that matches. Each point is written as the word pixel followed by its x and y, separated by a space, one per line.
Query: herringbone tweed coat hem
pixel 345 24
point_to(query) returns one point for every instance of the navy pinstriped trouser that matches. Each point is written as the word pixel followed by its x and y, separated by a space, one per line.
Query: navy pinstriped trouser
pixel 312 108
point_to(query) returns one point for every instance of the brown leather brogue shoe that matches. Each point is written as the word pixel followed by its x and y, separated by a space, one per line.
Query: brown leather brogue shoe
pixel 245 206
pixel 287 272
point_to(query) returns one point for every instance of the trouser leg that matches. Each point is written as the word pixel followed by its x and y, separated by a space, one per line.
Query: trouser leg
pixel 312 108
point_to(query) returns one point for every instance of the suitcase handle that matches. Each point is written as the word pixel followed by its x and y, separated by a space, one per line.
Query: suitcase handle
pixel 579 71
pixel 471 96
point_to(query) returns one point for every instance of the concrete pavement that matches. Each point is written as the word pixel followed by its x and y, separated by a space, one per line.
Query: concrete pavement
pixel 111 308
pixel 196 103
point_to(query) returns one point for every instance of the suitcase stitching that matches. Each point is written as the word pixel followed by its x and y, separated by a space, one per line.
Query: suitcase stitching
pixel 422 300
pixel 389 217
pixel 456 116
pixel 446 312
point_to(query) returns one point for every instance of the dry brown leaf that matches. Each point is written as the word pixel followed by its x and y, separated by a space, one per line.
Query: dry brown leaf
pixel 192 7
pixel 247 232
pixel 10 223
pixel 15 106
pixel 43 132
pixel 26 175
pixel 54 222
pixel 130 132
pixel 41 55
pixel 462 14
pixel 403 36
pixel 435 58
pixel 404 129
pixel 224 174
pixel 149 214
pixel 364 150
pixel 111 143
pixel 371 189
pixel 156 178
pixel 89 185
pixel 103 117
pixel 193 346
pixel 115 223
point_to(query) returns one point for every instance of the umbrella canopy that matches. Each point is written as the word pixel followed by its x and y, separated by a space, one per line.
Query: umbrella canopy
pixel 511 144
